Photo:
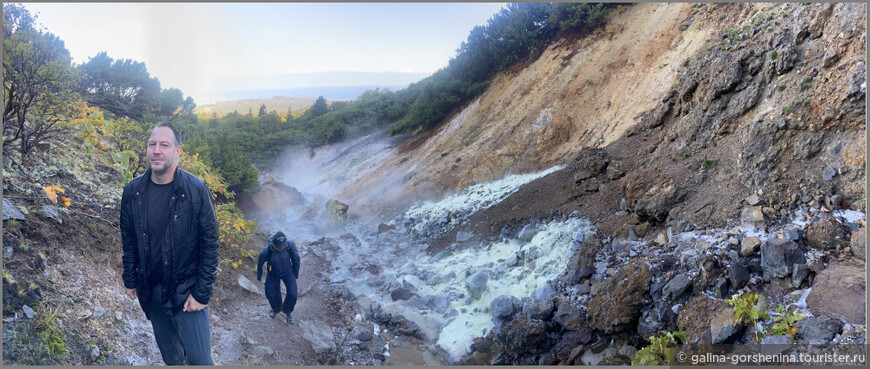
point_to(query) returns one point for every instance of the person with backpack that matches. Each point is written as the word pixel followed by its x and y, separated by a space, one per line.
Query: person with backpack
pixel 282 264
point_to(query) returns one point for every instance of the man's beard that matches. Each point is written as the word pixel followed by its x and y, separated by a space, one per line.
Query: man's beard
pixel 161 171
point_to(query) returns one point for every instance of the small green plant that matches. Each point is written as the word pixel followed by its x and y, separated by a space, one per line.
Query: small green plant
pixel 660 350
pixel 710 48
pixel 707 163
pixel 733 38
pixel 51 337
pixel 746 309
pixel 23 247
pixel 683 27
pixel 780 87
pixel 784 323
pixel 786 110
pixel 685 155
pixel 774 54
pixel 589 82
pixel 750 60
pixel 801 102
pixel 807 82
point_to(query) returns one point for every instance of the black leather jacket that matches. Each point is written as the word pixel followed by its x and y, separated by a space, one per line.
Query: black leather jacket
pixel 190 254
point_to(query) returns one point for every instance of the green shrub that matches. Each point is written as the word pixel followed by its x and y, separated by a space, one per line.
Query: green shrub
pixel 780 87
pixel 660 350
pixel 784 323
pixel 707 163
pixel 786 110
pixel 774 54
pixel 746 309
pixel 683 27
pixel 806 83
pixel 733 37
pixel 686 155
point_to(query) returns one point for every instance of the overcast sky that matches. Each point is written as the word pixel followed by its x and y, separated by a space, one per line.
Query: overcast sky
pixel 207 50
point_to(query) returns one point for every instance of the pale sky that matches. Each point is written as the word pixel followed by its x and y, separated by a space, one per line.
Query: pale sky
pixel 207 50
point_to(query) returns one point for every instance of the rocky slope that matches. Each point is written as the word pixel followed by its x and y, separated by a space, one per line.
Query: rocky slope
pixel 715 149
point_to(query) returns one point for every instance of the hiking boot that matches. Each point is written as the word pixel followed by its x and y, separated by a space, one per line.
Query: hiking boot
pixel 272 314
pixel 290 320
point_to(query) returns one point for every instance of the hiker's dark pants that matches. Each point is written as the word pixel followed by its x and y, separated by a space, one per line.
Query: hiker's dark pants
pixel 273 292
pixel 184 338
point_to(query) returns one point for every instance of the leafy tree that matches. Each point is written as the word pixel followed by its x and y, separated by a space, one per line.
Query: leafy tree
pixel 262 111
pixel 173 104
pixel 319 108
pixel 122 87
pixel 38 81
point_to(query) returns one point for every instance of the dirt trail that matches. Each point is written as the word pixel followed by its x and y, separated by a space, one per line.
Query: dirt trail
pixel 243 333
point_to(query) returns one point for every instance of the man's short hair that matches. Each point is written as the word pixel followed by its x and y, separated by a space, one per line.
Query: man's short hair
pixel 174 131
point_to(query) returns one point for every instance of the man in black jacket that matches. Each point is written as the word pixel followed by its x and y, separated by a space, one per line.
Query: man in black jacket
pixel 283 265
pixel 170 240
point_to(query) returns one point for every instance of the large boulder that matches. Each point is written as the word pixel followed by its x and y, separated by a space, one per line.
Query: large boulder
pixel 589 162
pixel 701 315
pixel 826 234
pixel 676 286
pixel 337 211
pixel 540 309
pixel 319 335
pixel 722 327
pixel 569 316
pixel 654 202
pixel 839 291
pixel 818 330
pixel 274 196
pixel 476 283
pixel 859 243
pixel 524 335
pixel 778 256
pixel 617 305
pixel 504 307
pixel 582 263
pixel 568 348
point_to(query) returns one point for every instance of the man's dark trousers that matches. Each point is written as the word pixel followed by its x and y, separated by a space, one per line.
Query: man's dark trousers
pixel 273 292
pixel 183 330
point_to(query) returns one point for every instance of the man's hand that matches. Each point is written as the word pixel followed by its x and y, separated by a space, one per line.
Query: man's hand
pixel 191 305
pixel 131 292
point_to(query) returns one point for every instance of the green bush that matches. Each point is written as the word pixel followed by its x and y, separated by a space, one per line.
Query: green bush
pixel 774 54
pixel 660 350
pixel 746 309
pixel 785 322
pixel 786 110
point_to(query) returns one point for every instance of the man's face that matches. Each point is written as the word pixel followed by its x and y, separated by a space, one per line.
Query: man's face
pixel 162 152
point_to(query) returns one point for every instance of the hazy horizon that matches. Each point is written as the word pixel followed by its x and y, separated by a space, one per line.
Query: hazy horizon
pixel 331 93
pixel 213 50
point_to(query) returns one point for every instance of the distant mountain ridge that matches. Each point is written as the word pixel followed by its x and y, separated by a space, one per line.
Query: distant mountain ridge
pixel 280 104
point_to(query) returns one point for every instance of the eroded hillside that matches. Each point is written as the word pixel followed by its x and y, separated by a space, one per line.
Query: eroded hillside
pixel 695 64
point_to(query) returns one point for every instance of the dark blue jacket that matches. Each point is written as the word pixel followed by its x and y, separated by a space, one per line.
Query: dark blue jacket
pixel 281 263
